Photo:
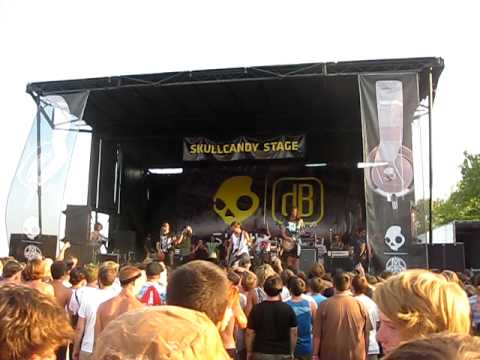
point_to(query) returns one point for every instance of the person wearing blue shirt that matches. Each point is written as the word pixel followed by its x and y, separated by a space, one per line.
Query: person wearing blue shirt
pixel 304 311
pixel 316 289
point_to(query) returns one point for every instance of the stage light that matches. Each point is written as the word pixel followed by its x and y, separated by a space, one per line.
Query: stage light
pixel 363 165
pixel 166 171
pixel 316 165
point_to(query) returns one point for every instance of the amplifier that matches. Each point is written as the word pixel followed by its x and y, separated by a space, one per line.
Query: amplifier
pixel 308 258
pixel 336 263
pixel 110 257
pixel 339 254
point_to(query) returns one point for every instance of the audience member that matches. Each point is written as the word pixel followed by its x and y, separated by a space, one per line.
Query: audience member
pixel 34 273
pixel 341 325
pixel 268 315
pixel 59 276
pixel 161 332
pixel 272 325
pixel 417 303
pixel 286 275
pixel 248 282
pixel 360 291
pixel 201 286
pixel 12 273
pixel 441 346
pixel 234 317
pixel 131 281
pixel 317 287
pixel 305 313
pixel 152 293
pixel 78 278
pixel 91 278
pixel 32 325
pixel 87 314
pixel 474 300
pixel 258 295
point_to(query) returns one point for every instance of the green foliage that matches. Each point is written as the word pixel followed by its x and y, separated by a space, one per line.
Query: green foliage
pixel 464 202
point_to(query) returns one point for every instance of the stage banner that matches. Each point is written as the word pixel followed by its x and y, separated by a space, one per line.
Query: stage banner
pixel 388 103
pixel 328 200
pixel 244 148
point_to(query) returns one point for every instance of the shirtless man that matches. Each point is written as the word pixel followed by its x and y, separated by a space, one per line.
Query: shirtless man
pixel 34 273
pixel 131 280
pixel 59 275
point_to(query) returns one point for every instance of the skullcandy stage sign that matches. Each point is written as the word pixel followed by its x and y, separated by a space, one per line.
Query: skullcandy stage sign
pixel 388 103
pixel 242 148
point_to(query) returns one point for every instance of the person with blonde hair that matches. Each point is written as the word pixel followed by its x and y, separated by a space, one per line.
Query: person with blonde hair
pixel 32 325
pixel 34 274
pixel 161 332
pixel 417 303
pixel 257 295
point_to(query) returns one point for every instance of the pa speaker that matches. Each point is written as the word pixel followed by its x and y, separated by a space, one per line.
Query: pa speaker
pixel 110 257
pixel 24 249
pixel 338 263
pixel 308 258
pixel 77 224
pixel 84 253
pixel 447 257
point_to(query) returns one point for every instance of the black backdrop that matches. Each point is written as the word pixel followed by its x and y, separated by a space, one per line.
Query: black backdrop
pixel 210 198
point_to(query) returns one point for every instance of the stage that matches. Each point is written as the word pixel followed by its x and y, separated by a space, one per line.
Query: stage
pixel 246 144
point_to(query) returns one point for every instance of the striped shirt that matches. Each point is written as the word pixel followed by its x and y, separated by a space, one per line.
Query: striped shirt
pixel 475 310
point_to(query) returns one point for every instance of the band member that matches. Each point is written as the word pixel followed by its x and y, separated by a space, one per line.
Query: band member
pixel 200 250
pixel 262 247
pixel 96 235
pixel 184 245
pixel 337 244
pixel 98 241
pixel 360 247
pixel 291 231
pixel 165 244
pixel 238 245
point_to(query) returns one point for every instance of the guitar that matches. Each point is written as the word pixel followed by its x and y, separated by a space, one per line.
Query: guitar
pixel 291 235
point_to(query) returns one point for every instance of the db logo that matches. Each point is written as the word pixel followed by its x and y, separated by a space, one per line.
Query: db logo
pixel 305 194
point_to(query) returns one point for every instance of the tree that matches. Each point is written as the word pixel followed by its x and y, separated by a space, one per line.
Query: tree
pixel 464 202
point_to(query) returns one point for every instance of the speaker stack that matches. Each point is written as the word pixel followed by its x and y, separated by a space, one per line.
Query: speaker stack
pixel 24 248
pixel 308 258
pixel 77 232
pixel 447 257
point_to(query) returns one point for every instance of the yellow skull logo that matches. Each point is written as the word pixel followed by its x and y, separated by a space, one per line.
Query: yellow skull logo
pixel 235 199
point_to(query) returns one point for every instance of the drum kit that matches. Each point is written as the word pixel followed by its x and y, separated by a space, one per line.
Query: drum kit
pixel 266 251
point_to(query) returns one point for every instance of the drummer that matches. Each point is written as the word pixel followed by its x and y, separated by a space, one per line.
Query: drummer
pixel 291 231
pixel 337 244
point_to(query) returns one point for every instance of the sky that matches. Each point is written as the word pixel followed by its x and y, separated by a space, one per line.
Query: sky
pixel 56 40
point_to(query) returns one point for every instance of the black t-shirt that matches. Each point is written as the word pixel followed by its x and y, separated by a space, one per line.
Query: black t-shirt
pixel 272 321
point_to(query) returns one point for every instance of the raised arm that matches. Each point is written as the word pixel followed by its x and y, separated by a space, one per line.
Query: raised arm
pixel 61 255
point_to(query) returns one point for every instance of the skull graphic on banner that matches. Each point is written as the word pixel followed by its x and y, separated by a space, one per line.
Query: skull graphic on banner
pixel 235 200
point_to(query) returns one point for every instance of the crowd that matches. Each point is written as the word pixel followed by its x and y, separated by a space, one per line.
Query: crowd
pixel 200 310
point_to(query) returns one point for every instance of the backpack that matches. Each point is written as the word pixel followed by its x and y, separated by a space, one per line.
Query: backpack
pixel 74 317
pixel 151 297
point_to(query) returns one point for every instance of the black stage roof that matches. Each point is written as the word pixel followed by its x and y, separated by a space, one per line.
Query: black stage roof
pixel 150 114
pixel 238 99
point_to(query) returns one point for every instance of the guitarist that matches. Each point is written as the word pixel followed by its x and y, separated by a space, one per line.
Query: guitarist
pixel 165 246
pixel 291 231
pixel 238 244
